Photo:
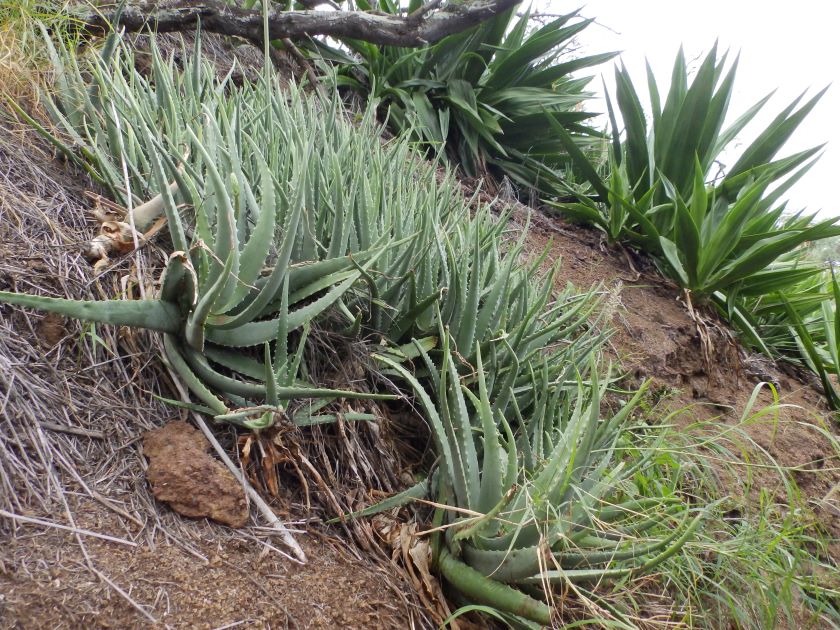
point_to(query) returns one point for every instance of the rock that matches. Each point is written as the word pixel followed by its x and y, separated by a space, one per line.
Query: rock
pixel 183 474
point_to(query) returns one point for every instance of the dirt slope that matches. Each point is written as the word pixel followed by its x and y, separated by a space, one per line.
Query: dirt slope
pixel 193 574
pixel 656 338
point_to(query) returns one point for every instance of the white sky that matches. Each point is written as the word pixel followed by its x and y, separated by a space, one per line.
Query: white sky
pixel 787 46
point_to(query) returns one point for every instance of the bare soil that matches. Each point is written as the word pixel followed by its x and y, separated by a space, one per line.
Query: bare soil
pixel 209 578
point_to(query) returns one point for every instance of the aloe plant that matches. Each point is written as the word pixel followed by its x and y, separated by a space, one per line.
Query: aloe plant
pixel 279 232
pixel 286 218
pixel 232 286
pixel 546 483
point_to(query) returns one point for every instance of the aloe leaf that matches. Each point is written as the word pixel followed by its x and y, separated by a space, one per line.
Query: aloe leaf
pixel 178 282
pixel 278 273
pixel 259 245
pixel 488 316
pixel 150 314
pixel 227 241
pixel 458 429
pixel 466 318
pixel 271 385
pixel 281 347
pixel 405 323
pixel 235 360
pixel 311 420
pixel 194 329
pixel 294 368
pixel 194 383
pixel 185 405
pixel 202 368
pixel 481 589
pixel 257 333
pixel 439 434
pixel 491 471
pixel 417 491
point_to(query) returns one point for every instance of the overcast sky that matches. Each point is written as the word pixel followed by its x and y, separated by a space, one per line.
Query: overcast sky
pixel 788 46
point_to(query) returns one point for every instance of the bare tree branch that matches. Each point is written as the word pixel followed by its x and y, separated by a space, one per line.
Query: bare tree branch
pixel 435 23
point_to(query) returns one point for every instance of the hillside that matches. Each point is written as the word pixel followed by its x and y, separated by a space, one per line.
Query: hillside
pixel 86 544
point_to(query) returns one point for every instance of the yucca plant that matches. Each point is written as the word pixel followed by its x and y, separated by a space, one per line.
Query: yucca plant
pixel 759 308
pixel 708 233
pixel 484 94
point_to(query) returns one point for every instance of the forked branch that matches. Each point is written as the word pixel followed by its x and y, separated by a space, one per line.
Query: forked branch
pixel 437 20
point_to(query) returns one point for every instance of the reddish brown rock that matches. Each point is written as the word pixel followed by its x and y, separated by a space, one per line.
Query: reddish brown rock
pixel 183 474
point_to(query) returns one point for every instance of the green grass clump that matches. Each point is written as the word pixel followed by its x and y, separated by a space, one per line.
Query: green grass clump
pixel 24 57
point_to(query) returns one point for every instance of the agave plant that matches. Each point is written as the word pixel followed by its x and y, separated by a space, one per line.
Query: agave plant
pixel 708 233
pixel 758 309
pixel 483 94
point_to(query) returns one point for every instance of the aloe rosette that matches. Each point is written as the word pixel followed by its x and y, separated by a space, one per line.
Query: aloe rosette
pixel 542 486
pixel 218 295
pixel 260 256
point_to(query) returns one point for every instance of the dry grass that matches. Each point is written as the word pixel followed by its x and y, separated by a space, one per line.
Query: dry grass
pixel 42 223
pixel 73 401
pixel 24 63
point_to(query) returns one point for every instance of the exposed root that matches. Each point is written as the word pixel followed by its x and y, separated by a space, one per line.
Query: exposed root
pixel 707 328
